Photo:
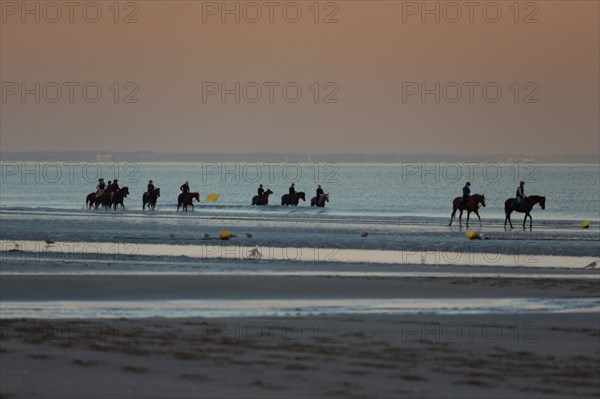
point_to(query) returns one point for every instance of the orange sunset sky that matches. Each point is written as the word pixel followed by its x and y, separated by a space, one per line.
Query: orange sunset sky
pixel 367 58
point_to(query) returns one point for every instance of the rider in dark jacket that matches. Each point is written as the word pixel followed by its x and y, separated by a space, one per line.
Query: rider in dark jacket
pixel 466 194
pixel 520 193
pixel 261 191
pixel 319 191
pixel 185 187
pixel 114 188
pixel 150 186
pixel 292 189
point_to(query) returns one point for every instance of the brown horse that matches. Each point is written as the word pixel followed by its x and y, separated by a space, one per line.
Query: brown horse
pixel 186 199
pixel 150 198
pixel 118 197
pixel 264 200
pixel 321 201
pixel 472 206
pixel 286 200
pixel 525 207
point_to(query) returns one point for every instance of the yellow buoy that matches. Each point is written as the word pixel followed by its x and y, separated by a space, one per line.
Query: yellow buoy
pixel 224 235
pixel 471 235
pixel 212 197
pixel 585 224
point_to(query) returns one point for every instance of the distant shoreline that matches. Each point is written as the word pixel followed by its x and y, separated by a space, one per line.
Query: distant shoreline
pixel 110 156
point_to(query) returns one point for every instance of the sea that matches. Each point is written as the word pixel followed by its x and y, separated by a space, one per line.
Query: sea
pixel 381 220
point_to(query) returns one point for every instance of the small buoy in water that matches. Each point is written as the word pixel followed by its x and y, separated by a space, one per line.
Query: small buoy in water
pixel 585 224
pixel 224 235
pixel 471 235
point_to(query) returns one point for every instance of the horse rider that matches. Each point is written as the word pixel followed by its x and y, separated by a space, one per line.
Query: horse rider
pixel 520 193
pixel 466 194
pixel 261 191
pixel 100 187
pixel 292 190
pixel 114 188
pixel 150 187
pixel 185 187
pixel 320 192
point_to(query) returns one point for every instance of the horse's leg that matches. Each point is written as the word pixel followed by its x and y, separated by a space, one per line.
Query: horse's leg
pixel 525 219
pixel 509 219
pixel 460 217
pixel 530 221
pixel 452 216
pixel 468 216
pixel 479 217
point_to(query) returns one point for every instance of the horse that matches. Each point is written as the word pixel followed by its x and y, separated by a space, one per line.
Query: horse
pixel 472 206
pixel 150 198
pixel 264 200
pixel 92 200
pixel 105 199
pixel 321 201
pixel 118 197
pixel 186 199
pixel 286 200
pixel 525 207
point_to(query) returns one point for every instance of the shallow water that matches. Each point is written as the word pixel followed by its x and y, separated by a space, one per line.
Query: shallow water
pixel 405 190
pixel 292 308
pixel 404 208
pixel 37 251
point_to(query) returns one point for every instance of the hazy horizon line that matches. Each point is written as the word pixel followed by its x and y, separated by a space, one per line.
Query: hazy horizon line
pixel 150 156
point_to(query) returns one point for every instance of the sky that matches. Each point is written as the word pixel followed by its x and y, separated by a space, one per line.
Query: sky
pixel 327 77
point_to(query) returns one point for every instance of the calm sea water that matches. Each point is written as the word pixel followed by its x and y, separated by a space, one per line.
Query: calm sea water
pixel 404 207
pixel 412 190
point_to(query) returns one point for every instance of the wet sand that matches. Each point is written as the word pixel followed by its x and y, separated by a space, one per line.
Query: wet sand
pixel 171 287
pixel 528 355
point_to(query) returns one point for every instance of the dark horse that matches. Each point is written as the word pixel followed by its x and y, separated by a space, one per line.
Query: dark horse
pixel 105 199
pixel 321 201
pixel 472 206
pixel 118 197
pixel 150 198
pixel 264 200
pixel 286 200
pixel 525 207
pixel 186 199
pixel 93 201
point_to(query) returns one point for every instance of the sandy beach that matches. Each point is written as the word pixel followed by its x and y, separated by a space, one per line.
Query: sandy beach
pixel 420 355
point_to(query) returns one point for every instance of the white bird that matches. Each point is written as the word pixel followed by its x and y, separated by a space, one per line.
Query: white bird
pixel 591 265
pixel 255 253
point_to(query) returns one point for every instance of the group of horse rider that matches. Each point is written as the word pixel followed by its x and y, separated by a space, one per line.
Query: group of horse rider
pixel 113 186
pixel 291 191
pixel 110 187
pixel 518 198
